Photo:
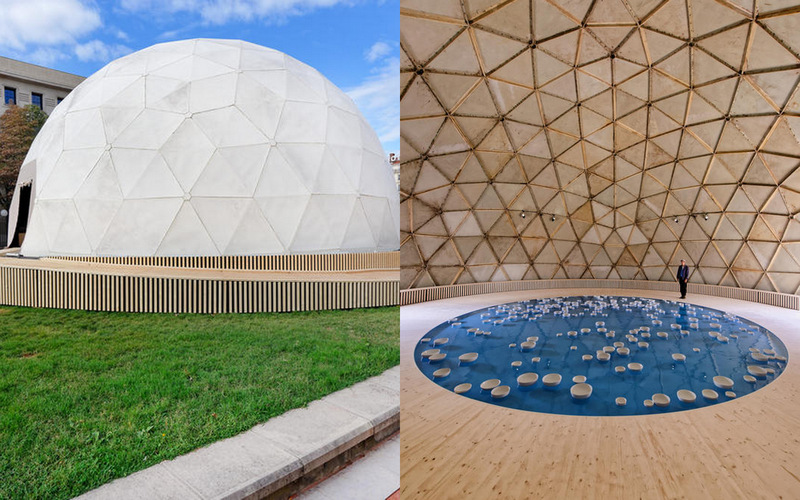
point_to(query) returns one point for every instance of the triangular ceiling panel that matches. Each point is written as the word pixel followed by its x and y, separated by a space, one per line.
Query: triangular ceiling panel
pixel 602 122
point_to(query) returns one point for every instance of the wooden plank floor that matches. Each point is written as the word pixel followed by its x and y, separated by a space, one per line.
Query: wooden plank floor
pixel 455 447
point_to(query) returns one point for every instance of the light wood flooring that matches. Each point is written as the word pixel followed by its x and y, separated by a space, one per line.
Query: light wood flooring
pixel 455 447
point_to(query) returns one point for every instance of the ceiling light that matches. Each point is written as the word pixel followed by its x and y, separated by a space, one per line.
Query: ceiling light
pixel 522 214
pixel 705 216
pixel 675 219
pixel 552 218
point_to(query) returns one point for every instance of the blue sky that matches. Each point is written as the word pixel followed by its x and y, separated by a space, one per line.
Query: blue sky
pixel 354 43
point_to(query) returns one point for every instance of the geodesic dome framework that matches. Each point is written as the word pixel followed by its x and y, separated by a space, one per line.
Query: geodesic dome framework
pixel 630 133
pixel 209 148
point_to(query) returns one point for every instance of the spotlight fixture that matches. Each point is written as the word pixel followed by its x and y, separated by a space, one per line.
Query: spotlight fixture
pixel 522 214
pixel 552 218
pixel 705 216
pixel 675 219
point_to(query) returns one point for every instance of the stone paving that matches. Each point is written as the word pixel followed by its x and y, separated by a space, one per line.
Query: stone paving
pixel 374 477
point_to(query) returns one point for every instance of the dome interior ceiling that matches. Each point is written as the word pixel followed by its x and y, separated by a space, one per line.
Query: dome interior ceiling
pixel 603 122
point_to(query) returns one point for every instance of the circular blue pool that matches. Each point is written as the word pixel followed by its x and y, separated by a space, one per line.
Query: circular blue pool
pixel 600 355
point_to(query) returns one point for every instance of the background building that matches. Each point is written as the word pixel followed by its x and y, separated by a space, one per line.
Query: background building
pixel 394 161
pixel 24 84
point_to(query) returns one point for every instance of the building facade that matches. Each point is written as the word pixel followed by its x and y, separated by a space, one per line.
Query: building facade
pixel 24 84
pixel 394 161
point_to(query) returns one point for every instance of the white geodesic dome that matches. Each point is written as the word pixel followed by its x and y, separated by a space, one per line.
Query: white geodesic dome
pixel 209 147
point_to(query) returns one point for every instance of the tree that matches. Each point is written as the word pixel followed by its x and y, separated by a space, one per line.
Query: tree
pixel 18 128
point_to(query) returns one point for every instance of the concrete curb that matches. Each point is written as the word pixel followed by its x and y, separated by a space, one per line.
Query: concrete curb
pixel 277 458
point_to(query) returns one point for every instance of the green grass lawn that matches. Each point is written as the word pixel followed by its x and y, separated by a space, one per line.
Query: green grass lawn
pixel 86 397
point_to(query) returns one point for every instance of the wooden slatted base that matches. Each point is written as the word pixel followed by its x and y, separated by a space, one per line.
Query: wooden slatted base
pixel 147 287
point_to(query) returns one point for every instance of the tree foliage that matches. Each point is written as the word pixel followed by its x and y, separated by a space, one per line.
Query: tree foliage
pixel 18 128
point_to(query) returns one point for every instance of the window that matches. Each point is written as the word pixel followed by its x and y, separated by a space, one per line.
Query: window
pixel 36 100
pixel 10 96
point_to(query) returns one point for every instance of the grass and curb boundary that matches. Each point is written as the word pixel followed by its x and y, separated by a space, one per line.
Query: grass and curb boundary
pixel 87 397
pixel 280 457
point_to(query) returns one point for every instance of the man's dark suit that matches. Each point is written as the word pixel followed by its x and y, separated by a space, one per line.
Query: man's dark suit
pixel 683 278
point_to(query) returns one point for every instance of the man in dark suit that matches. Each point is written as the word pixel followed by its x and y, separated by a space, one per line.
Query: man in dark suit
pixel 683 277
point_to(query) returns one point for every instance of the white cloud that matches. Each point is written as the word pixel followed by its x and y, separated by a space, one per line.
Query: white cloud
pixel 46 56
pixel 122 35
pixel 97 50
pixel 167 5
pixel 179 33
pixel 45 22
pixel 377 51
pixel 378 99
pixel 222 11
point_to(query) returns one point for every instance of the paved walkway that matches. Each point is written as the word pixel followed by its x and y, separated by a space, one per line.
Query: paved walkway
pixel 374 477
